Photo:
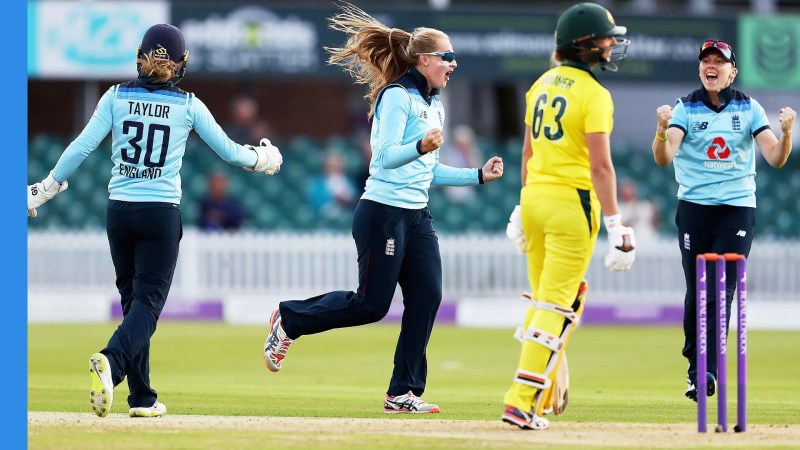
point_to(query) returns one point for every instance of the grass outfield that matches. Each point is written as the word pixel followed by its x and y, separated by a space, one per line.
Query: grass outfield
pixel 622 375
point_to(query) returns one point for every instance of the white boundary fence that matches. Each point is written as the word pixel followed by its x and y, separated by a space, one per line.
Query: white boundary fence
pixel 474 266
pixel 75 269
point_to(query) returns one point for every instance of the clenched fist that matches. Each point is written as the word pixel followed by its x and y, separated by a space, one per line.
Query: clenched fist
pixel 493 169
pixel 664 114
pixel 786 117
pixel 433 140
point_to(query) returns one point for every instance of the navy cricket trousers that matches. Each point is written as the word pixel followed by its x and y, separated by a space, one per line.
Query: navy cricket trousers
pixel 144 240
pixel 394 245
pixel 709 229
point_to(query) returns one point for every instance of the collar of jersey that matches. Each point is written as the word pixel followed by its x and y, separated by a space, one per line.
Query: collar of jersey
pixel 421 84
pixel 149 83
pixel 725 96
pixel 579 65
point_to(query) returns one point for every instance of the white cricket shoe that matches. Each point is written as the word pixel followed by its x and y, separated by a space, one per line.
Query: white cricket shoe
pixel 526 421
pixel 157 410
pixel 408 404
pixel 277 343
pixel 102 393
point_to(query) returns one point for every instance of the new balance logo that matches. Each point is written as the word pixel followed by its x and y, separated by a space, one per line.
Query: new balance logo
pixel 741 233
pixel 390 247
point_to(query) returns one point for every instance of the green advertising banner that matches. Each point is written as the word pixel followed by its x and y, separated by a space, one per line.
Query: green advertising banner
pixel 273 40
pixel 768 52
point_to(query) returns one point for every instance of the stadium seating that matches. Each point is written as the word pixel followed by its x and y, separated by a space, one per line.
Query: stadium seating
pixel 279 202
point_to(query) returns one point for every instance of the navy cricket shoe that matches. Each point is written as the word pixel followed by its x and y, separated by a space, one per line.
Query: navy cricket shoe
pixel 711 387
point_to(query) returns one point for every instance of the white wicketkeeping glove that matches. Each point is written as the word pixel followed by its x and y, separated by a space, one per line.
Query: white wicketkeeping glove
pixel 269 158
pixel 514 230
pixel 43 191
pixel 621 244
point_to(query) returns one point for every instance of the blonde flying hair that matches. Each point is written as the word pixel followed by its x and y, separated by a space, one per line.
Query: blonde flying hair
pixel 375 54
pixel 161 70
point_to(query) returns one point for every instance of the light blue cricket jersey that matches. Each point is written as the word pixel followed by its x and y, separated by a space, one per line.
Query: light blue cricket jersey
pixel 398 175
pixel 149 129
pixel 715 164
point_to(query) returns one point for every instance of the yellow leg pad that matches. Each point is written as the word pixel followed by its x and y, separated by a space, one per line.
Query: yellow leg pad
pixel 529 316
pixel 537 380
pixel 535 358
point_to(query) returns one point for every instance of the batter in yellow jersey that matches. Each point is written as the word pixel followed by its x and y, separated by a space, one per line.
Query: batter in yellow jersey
pixel 568 177
pixel 563 106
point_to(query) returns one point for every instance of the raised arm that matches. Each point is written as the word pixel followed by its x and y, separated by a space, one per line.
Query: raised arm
pixel 776 151
pixel 667 140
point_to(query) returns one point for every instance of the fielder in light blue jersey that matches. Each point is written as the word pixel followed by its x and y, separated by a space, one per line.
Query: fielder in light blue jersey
pixel 149 120
pixel 392 226
pixel 716 164
pixel 400 175
pixel 709 136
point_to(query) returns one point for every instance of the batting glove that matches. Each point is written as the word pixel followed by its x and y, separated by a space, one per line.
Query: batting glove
pixel 621 243
pixel 269 158
pixel 41 192
pixel 514 231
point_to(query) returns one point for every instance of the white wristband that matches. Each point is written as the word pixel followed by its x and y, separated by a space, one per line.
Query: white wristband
pixel 612 221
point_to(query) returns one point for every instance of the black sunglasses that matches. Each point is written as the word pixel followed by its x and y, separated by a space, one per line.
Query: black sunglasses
pixel 446 56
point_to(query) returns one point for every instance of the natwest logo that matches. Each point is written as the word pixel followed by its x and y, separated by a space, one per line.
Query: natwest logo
pixel 718 149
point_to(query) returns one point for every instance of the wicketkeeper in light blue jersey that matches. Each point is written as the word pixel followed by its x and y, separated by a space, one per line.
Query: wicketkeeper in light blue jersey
pixel 709 136
pixel 149 120
pixel 392 227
